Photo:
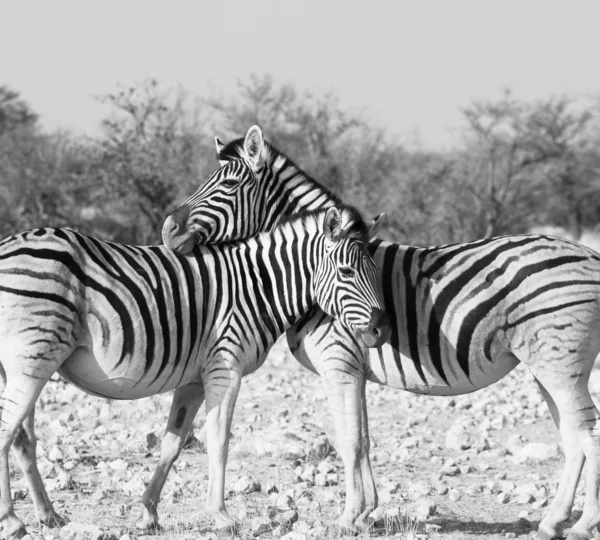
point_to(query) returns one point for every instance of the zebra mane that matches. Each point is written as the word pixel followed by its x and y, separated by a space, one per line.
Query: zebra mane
pixel 353 224
pixel 235 150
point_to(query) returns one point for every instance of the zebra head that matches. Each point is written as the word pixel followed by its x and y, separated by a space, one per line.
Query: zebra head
pixel 227 206
pixel 346 278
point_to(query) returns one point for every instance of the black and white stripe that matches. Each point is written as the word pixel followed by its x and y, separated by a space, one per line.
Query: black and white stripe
pixel 462 317
pixel 126 322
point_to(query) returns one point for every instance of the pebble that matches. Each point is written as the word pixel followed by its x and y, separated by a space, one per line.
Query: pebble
pixel 56 454
pixel 539 451
pixel 424 508
pixel 246 484
pixel 458 438
pixel 454 495
pixel 503 498
pixel 261 525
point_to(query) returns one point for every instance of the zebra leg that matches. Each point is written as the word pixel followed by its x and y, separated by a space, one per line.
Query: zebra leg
pixel 345 389
pixel 18 401
pixel 184 407
pixel 24 448
pixel 322 345
pixel 371 498
pixel 222 387
pixel 579 422
pixel 560 509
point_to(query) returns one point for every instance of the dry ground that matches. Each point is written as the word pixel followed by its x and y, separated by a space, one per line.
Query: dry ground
pixel 97 455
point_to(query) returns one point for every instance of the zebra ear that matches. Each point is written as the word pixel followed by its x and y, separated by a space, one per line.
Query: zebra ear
pixel 333 224
pixel 254 146
pixel 220 146
pixel 375 225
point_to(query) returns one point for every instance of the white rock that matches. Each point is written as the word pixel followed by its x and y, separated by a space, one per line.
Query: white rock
pixel 503 498
pixel 262 525
pixel 419 488
pixel 292 451
pixel 442 489
pixel 135 486
pixel 530 489
pixel 56 453
pixel 525 498
pixel 458 438
pixel 283 501
pixel 377 514
pixel 321 480
pixel 309 473
pixel 326 467
pixel 63 480
pixel 454 495
pixel 539 451
pixel 294 535
pixel 246 484
pixel 288 517
pixel 507 486
pixel 81 530
pixel 424 508
pixel 118 465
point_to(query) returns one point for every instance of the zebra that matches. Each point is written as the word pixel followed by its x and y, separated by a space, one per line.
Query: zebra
pixel 127 322
pixel 462 316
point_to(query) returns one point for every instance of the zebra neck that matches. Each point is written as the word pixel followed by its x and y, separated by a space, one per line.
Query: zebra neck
pixel 293 191
pixel 277 275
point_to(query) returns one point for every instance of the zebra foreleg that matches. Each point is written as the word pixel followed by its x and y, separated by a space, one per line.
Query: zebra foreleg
pixel 184 407
pixel 579 422
pixel 24 448
pixel 346 395
pixel 222 387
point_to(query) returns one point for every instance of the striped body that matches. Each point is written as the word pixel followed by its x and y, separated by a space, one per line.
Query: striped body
pixel 134 321
pixel 462 317
pixel 127 322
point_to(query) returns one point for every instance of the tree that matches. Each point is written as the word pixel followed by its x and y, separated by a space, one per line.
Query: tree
pixel 153 150
pixel 312 129
pixel 558 138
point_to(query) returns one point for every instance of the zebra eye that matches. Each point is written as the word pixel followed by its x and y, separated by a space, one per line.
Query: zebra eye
pixel 230 183
pixel 346 272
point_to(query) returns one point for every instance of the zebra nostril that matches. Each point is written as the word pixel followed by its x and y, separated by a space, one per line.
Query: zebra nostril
pixel 171 226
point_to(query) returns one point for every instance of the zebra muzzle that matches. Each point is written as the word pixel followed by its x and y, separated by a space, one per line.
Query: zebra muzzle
pixel 379 329
pixel 175 233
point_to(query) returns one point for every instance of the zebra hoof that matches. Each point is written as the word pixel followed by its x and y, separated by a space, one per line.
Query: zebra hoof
pixel 228 531
pixel 346 530
pixel 53 520
pixel 546 535
pixel 148 523
pixel 11 533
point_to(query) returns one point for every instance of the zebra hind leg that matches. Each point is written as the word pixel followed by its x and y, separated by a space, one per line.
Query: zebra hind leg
pixel 24 448
pixel 579 423
pixel 560 509
pixel 18 401
pixel 185 405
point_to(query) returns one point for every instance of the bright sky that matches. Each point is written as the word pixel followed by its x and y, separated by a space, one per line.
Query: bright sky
pixel 408 66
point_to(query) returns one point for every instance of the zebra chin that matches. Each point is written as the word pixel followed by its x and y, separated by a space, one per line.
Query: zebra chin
pixel 377 332
pixel 181 244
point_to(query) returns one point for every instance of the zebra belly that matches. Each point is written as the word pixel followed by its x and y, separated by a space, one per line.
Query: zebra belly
pixel 321 346
pixel 84 370
pixel 399 371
